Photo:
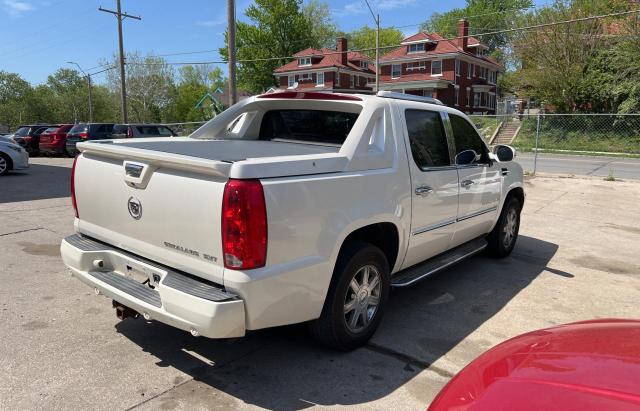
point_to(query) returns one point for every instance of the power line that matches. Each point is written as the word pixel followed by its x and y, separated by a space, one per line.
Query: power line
pixel 525 28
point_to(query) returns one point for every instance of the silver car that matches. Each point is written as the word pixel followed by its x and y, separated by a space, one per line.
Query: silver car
pixel 12 156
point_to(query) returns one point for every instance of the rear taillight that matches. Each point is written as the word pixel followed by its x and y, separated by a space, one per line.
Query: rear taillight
pixel 73 187
pixel 129 132
pixel 244 225
pixel 83 135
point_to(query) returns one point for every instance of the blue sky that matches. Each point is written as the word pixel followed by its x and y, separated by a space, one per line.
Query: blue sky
pixel 39 36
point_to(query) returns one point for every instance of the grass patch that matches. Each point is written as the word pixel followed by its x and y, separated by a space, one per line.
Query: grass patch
pixel 581 133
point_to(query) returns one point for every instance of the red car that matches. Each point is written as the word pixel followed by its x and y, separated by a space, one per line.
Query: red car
pixel 586 366
pixel 54 139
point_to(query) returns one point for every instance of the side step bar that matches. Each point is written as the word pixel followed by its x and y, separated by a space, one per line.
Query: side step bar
pixel 422 270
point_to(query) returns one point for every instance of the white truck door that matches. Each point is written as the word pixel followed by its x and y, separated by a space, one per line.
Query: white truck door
pixel 480 182
pixel 434 182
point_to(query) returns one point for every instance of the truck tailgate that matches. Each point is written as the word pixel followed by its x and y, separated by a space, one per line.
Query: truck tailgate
pixel 169 213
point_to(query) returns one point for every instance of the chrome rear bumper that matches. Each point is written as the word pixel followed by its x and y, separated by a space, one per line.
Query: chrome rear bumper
pixel 174 298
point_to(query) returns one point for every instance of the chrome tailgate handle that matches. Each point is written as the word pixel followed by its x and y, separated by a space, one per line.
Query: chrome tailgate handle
pixel 424 191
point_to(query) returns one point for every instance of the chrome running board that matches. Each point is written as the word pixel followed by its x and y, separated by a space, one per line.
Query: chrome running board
pixel 422 270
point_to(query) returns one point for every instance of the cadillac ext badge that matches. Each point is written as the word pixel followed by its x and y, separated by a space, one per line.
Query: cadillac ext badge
pixel 135 208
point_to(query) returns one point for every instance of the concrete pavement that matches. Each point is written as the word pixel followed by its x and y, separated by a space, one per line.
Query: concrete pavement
pixel 63 348
pixel 600 166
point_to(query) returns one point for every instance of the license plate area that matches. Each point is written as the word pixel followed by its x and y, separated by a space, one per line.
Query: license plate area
pixel 127 267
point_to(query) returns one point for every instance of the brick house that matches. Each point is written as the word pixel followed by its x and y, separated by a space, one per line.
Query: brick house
pixel 458 72
pixel 327 70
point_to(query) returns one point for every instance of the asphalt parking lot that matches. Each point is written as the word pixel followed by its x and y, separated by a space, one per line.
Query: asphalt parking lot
pixel 63 348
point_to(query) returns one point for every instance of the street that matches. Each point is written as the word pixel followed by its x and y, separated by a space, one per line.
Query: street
pixel 63 348
pixel 623 168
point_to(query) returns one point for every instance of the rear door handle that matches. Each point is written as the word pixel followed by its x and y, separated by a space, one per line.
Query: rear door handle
pixel 466 183
pixel 505 171
pixel 424 191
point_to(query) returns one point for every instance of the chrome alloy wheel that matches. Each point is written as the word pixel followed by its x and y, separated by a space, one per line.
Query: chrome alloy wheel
pixel 3 165
pixel 362 299
pixel 510 227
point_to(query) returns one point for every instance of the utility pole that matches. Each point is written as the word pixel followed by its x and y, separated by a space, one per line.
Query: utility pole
pixel 376 18
pixel 88 76
pixel 123 88
pixel 377 53
pixel 231 48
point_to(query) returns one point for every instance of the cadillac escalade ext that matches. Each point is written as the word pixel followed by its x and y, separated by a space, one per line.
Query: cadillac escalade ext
pixel 289 207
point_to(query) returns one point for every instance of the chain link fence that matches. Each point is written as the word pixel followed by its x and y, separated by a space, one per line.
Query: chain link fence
pixel 186 128
pixel 580 133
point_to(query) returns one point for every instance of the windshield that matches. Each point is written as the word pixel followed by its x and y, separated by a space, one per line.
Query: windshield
pixel 313 126
pixel 21 132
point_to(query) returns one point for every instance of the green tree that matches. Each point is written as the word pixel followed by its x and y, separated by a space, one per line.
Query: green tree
pixel 194 83
pixel 150 82
pixel 323 29
pixel 365 38
pixel 484 16
pixel 15 95
pixel 277 28
pixel 554 59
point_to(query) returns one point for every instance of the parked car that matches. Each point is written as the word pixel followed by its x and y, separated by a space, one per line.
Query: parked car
pixel 29 136
pixel 290 207
pixel 12 156
pixel 588 366
pixel 86 132
pixel 142 130
pixel 53 139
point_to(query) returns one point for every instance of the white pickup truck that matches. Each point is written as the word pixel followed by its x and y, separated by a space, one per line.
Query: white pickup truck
pixel 289 207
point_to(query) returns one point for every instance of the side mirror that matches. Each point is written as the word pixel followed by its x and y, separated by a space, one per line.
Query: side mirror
pixel 466 157
pixel 504 152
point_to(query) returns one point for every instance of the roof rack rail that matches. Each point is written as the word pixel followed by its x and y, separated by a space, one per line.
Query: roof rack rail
pixel 410 97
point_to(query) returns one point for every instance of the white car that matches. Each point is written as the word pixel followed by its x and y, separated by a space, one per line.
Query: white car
pixel 289 207
pixel 12 156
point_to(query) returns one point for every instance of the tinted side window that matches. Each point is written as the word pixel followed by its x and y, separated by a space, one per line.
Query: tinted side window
pixel 466 138
pixel 427 138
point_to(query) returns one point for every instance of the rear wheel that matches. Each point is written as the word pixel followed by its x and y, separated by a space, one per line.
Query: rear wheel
pixel 503 237
pixel 5 164
pixel 356 299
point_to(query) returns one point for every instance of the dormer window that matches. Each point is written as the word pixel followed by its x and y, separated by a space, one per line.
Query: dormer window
pixel 304 61
pixel 364 64
pixel 415 48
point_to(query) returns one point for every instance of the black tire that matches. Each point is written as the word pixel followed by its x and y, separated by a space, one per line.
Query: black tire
pixel 8 164
pixel 500 242
pixel 331 329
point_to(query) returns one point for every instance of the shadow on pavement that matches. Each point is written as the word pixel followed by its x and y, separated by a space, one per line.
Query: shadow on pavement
pixel 284 369
pixel 38 182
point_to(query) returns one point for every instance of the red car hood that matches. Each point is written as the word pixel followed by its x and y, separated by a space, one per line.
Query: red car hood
pixel 586 366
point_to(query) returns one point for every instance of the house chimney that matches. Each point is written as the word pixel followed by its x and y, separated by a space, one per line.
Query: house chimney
pixel 341 46
pixel 463 34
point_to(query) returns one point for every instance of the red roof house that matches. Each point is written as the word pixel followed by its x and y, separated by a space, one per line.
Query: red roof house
pixel 327 70
pixel 458 72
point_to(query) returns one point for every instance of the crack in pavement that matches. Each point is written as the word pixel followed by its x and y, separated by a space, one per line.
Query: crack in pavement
pixel 590 173
pixel 408 359
pixel 32 209
pixel 388 352
pixel 23 231
pixel 552 201
pixel 200 377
